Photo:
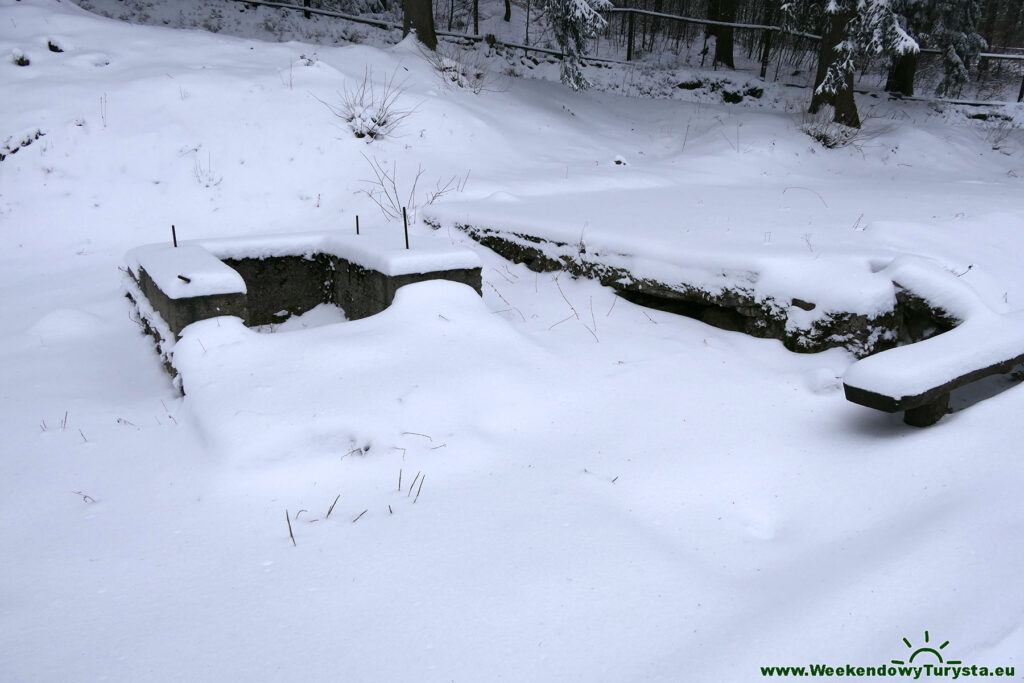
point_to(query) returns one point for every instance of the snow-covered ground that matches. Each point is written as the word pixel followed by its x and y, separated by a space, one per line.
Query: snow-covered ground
pixel 602 492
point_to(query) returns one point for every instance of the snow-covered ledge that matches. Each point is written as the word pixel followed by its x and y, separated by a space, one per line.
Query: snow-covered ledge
pixel 290 274
pixel 917 378
pixel 187 283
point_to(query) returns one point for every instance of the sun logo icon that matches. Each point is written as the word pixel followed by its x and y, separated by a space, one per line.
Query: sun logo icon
pixel 925 649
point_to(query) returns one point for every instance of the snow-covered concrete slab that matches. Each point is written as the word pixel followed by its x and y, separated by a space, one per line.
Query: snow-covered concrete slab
pixel 809 300
pixel 265 279
pixel 919 376
pixel 709 241
pixel 181 285
pixel 976 348
pixel 185 271
pixel 373 251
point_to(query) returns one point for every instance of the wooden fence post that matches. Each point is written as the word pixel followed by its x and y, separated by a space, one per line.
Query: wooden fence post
pixel 305 3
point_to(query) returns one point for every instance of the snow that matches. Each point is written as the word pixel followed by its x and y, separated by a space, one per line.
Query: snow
pixel 322 314
pixel 982 339
pixel 184 271
pixel 649 232
pixel 609 492
pixel 148 314
pixel 382 250
pixel 940 287
pixel 978 343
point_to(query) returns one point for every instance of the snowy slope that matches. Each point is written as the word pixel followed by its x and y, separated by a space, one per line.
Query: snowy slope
pixel 608 493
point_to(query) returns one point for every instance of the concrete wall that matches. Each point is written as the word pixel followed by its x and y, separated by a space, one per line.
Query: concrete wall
pixel 729 309
pixel 362 293
pixel 290 284
pixel 278 287
pixel 178 313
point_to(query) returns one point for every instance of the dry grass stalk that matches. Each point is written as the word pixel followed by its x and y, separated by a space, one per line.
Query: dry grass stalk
pixel 288 518
pixel 331 509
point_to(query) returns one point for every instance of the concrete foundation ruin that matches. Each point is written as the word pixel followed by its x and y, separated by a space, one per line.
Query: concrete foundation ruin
pixel 265 280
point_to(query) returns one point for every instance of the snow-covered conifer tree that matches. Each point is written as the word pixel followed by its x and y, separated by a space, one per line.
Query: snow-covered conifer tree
pixel 852 29
pixel 573 23
pixel 954 31
pixel 950 26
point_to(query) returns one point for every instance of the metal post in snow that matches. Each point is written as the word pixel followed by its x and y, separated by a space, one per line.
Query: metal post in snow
pixel 357 224
pixel 405 223
pixel 174 237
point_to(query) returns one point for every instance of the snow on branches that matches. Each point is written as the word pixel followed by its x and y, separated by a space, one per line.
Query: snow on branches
pixel 872 28
pixel 573 23
pixel 879 31
pixel 852 30
pixel 954 31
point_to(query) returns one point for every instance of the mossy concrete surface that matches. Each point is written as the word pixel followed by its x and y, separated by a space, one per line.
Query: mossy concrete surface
pixel 283 286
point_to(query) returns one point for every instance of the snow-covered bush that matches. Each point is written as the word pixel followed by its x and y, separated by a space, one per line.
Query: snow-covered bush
pixel 821 127
pixel 371 112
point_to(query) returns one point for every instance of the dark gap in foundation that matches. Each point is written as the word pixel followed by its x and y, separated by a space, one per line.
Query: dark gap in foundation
pixel 711 314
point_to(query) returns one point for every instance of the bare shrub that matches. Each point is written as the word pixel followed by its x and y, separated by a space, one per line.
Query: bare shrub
pixel 371 112
pixel 830 134
pixel 460 68
pixel 997 132
pixel 205 175
pixel 389 193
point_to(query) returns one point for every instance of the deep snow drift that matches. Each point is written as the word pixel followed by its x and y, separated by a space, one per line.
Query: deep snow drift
pixel 602 492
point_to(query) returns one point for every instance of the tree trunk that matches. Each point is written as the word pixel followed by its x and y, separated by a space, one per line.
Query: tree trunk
pixel 766 42
pixel 713 11
pixel 990 22
pixel 527 42
pixel 476 17
pixel 655 26
pixel 724 34
pixel 418 15
pixel 842 100
pixel 845 106
pixel 629 38
pixel 901 74
pixel 508 10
